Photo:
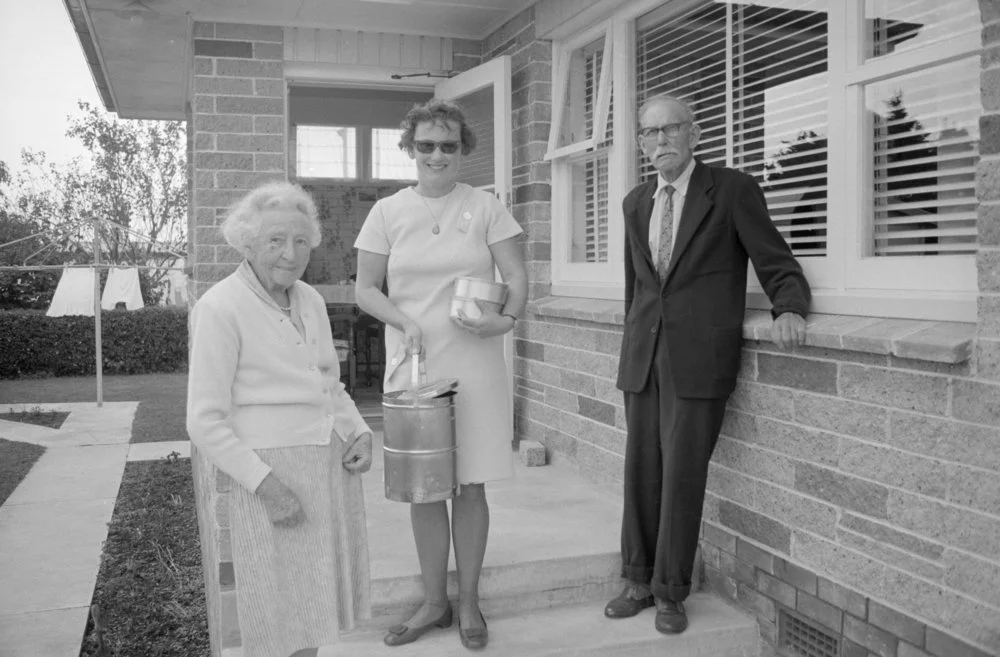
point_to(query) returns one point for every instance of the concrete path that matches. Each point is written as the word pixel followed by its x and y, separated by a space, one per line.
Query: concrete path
pixel 53 525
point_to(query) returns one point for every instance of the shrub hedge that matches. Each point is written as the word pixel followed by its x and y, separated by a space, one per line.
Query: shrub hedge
pixel 152 339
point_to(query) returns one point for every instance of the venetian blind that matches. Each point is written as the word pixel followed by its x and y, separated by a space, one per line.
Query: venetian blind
pixel 925 131
pixel 593 243
pixel 756 77
pixel 925 154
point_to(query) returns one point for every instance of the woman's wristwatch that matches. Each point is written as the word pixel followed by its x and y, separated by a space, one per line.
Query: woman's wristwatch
pixel 512 318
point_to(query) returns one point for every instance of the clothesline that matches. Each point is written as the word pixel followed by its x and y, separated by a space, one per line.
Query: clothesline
pixel 79 222
pixel 91 266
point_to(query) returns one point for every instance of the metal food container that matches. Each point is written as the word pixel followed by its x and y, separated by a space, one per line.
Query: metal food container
pixel 469 290
pixel 419 448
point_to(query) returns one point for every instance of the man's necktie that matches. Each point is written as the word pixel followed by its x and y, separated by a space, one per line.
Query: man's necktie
pixel 666 232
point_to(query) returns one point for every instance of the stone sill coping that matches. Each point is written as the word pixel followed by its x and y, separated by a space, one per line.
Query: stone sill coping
pixel 934 341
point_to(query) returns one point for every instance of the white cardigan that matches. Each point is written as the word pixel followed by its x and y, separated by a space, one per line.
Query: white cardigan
pixel 255 381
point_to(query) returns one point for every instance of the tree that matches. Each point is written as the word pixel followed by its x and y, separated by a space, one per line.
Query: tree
pixel 135 180
pixel 31 207
pixel 139 183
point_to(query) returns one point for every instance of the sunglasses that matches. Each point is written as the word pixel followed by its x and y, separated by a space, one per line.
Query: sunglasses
pixel 427 147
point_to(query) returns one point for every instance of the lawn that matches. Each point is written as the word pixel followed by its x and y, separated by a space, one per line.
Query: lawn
pixel 162 399
pixel 16 459
pixel 150 592
pixel 50 419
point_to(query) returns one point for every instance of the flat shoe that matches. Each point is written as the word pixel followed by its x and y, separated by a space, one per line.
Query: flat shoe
pixel 475 638
pixel 402 634
pixel 626 605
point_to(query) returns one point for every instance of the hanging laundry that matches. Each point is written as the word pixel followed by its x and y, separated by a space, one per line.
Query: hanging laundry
pixel 75 293
pixel 122 285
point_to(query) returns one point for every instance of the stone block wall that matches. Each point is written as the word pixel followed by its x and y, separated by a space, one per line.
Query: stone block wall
pixel 877 474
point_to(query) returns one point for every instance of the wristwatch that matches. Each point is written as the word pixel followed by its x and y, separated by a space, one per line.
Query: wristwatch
pixel 511 316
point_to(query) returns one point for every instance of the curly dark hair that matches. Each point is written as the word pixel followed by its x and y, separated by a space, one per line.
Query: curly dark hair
pixel 439 111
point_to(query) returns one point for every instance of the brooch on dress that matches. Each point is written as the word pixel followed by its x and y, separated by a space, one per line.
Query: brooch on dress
pixel 465 222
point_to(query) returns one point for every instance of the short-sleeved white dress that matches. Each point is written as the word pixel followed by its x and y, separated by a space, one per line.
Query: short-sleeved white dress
pixel 423 265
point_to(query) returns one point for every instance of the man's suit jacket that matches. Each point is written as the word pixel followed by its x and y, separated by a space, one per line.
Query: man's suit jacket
pixel 701 303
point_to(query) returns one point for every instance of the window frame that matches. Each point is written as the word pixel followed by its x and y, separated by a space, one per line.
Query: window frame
pixel 364 159
pixel 358 153
pixel 845 280
pixel 942 274
pixel 370 154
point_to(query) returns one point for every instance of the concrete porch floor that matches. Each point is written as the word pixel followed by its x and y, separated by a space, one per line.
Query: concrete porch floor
pixel 553 534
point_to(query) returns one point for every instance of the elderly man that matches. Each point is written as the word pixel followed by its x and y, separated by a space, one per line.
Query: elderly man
pixel 689 234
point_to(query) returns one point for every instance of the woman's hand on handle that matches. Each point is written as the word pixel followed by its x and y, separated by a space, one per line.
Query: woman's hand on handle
pixel 413 337
pixel 281 504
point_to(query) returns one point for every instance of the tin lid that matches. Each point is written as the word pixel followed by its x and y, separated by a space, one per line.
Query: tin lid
pixel 425 391
pixel 435 388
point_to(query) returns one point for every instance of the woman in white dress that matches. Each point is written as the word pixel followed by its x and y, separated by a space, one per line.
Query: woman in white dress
pixel 422 238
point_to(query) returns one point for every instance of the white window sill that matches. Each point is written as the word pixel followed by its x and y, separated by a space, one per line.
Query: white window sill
pixel 933 341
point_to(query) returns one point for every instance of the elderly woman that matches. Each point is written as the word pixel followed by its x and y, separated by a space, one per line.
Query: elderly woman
pixel 266 405
pixel 424 237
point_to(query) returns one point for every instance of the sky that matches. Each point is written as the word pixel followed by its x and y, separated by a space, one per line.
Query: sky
pixel 43 74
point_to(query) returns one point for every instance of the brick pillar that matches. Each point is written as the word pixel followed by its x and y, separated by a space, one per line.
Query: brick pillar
pixel 239 121
pixel 237 124
pixel 531 103
pixel 987 355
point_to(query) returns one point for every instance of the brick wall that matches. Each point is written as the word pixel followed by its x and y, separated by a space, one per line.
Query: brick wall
pixel 878 473
pixel 859 491
pixel 988 191
pixel 342 208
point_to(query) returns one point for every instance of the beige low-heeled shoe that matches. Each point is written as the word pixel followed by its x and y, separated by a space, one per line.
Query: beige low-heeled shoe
pixel 475 638
pixel 401 634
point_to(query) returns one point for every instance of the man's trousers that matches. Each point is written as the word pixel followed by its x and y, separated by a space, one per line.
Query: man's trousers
pixel 669 444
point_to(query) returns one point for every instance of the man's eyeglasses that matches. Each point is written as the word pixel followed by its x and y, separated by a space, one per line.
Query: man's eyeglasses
pixel 427 147
pixel 669 130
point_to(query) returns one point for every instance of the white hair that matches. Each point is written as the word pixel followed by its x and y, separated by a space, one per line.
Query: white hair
pixel 666 99
pixel 243 224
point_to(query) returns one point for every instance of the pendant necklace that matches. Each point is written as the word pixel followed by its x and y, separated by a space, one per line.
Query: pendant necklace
pixel 437 224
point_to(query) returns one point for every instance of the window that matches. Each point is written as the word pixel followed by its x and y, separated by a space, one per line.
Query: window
pixel 859 120
pixel 924 169
pixel 341 152
pixel 756 76
pixel 325 152
pixel 580 147
pixel 388 161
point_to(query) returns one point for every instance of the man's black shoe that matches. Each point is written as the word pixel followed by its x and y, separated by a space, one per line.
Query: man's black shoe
pixel 670 617
pixel 629 602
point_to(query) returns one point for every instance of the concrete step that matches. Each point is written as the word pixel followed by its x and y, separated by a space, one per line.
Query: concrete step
pixel 716 630
pixel 554 540
pixel 505 589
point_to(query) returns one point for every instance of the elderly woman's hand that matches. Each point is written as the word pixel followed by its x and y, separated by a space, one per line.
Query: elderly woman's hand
pixel 282 506
pixel 489 324
pixel 358 457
